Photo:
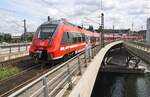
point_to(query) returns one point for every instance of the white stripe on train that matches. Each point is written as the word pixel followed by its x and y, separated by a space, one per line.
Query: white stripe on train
pixel 72 46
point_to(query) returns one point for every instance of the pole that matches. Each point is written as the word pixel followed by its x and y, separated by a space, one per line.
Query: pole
pixel 102 31
pixel 132 27
pixel 48 18
pixel 113 31
pixel 25 29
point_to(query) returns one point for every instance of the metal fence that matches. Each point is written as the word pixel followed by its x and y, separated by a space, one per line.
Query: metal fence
pixel 52 82
pixel 7 49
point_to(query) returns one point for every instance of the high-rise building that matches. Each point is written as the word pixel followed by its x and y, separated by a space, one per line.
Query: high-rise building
pixel 148 32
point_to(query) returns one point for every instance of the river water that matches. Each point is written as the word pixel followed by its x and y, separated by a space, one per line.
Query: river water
pixel 122 85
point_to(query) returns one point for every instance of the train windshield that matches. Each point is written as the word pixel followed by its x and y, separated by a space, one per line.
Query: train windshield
pixel 46 31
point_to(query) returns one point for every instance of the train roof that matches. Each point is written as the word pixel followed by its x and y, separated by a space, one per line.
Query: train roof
pixel 58 22
pixel 64 21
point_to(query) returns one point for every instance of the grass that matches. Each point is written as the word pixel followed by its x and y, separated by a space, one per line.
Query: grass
pixel 8 71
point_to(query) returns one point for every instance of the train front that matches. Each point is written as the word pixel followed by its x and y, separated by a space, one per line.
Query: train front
pixel 42 41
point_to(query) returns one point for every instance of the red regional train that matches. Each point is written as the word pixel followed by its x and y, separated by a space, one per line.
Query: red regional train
pixel 57 39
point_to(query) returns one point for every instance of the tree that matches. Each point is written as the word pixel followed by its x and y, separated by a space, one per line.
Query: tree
pixel 29 38
pixel 1 37
pixel 91 28
pixel 7 37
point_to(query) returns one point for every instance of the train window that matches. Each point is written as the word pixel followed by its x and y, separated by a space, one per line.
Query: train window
pixel 65 38
pixel 83 38
pixel 77 37
pixel 70 40
pixel 70 37
pixel 93 39
pixel 74 38
pixel 46 31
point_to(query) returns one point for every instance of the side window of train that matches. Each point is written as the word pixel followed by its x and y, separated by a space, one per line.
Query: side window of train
pixel 74 38
pixel 83 38
pixel 86 39
pixel 91 39
pixel 65 38
pixel 70 37
pixel 78 37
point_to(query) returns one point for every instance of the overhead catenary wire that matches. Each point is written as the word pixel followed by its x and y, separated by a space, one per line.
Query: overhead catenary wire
pixel 14 12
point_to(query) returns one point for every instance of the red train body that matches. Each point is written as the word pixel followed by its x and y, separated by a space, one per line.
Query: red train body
pixel 56 39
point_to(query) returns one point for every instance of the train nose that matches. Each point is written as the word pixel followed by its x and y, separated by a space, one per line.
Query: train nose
pixel 44 44
pixel 41 43
pixel 41 54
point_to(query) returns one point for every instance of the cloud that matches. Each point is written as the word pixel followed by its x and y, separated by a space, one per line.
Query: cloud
pixel 117 12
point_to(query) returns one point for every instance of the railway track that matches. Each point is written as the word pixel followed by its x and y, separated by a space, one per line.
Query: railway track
pixel 10 82
pixel 13 62
pixel 30 72
pixel 21 80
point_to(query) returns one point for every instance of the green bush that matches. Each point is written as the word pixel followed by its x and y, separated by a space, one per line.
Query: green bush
pixel 8 71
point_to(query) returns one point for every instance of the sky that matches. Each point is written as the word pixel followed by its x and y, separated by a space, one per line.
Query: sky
pixel 120 13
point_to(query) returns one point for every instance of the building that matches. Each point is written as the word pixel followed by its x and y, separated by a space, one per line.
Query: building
pixel 142 33
pixel 27 36
pixel 15 39
pixel 118 31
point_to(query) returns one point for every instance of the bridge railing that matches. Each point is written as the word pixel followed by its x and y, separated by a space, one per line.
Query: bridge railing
pixel 53 81
pixel 8 49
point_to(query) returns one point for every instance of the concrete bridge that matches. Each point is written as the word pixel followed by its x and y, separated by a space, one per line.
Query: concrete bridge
pixel 85 84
